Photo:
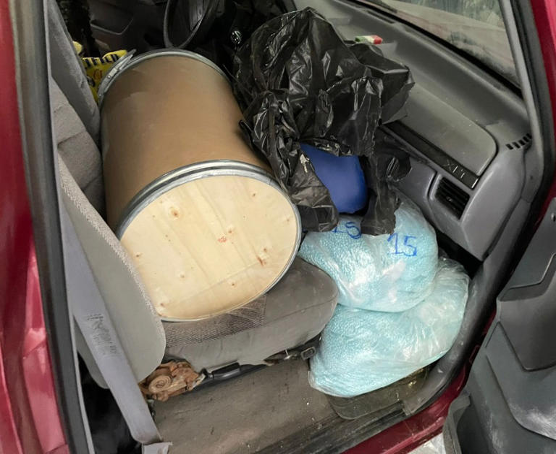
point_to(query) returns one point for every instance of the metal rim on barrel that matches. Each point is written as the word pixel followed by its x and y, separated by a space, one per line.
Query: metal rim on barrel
pixel 197 171
pixel 128 61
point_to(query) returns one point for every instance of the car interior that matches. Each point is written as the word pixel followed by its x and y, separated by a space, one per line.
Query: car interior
pixel 476 166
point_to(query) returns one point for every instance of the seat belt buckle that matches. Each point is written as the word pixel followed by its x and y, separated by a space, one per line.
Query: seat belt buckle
pixel 308 353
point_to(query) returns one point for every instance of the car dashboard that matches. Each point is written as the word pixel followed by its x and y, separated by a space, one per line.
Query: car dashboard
pixel 466 130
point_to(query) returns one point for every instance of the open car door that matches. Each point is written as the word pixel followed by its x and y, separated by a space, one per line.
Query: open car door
pixel 509 403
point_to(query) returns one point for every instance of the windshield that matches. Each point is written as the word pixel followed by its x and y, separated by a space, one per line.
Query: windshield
pixel 474 26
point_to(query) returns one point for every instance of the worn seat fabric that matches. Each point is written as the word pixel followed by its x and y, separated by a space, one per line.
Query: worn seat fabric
pixel 292 313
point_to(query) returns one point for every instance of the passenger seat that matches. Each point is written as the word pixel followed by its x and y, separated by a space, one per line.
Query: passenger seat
pixel 292 313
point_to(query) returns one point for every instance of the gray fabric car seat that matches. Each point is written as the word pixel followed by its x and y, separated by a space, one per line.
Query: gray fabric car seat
pixel 293 312
pixel 68 72
pixel 139 329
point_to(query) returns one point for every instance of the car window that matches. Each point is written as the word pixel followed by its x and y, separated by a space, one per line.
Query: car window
pixel 474 26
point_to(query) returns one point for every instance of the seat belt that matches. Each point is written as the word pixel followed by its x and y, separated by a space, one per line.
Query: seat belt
pixel 90 313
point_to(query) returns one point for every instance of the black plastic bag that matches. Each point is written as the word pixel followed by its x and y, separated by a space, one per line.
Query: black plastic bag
pixel 297 81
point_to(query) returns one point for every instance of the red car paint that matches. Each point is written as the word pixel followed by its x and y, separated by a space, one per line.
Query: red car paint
pixel 545 18
pixel 29 418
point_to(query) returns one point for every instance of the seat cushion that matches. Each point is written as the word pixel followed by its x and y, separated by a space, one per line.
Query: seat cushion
pixel 292 313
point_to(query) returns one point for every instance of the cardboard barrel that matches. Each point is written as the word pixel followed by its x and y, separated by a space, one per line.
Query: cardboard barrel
pixel 206 225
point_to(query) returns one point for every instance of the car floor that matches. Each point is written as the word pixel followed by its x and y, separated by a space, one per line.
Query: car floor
pixel 245 414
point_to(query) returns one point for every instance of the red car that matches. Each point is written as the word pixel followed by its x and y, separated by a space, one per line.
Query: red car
pixel 77 332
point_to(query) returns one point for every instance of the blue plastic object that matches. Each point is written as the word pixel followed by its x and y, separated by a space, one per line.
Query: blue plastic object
pixel 362 351
pixel 389 273
pixel 342 176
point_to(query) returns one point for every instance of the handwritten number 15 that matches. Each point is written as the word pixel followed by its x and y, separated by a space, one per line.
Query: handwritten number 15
pixel 351 229
pixel 407 249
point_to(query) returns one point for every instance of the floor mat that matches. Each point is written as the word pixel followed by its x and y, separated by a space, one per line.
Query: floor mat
pixel 244 415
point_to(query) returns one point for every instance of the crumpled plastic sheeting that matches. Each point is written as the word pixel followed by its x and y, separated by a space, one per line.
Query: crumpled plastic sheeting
pixel 297 81
pixel 362 351
pixel 389 273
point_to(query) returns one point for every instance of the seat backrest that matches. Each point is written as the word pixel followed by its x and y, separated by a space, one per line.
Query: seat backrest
pixel 77 148
pixel 80 164
pixel 68 72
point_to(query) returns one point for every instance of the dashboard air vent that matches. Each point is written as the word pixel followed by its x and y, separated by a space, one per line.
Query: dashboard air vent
pixel 452 197
pixel 524 141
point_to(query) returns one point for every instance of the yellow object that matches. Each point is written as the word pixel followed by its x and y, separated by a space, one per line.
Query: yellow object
pixel 78 48
pixel 96 67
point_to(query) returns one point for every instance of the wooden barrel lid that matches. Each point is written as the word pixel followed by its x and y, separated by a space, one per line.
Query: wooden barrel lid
pixel 211 245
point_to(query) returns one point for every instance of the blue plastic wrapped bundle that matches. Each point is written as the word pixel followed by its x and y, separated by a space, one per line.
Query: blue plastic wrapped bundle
pixel 342 176
pixel 389 273
pixel 362 351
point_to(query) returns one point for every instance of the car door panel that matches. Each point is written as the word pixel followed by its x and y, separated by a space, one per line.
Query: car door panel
pixel 508 405
pixel 527 308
